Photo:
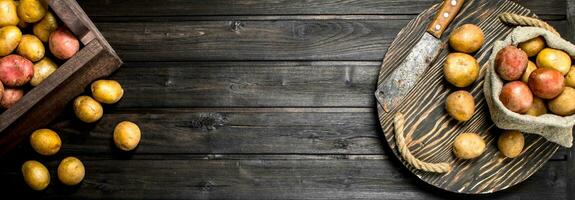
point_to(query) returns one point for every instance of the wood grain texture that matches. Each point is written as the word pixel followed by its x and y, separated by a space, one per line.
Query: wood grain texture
pixel 431 131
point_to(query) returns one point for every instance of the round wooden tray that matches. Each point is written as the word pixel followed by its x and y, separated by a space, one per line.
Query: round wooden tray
pixel 430 131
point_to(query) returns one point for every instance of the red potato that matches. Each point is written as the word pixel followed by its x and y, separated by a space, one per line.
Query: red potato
pixel 63 44
pixel 10 97
pixel 546 83
pixel 516 97
pixel 15 70
pixel 510 63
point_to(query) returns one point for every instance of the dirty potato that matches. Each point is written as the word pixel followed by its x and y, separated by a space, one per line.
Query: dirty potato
pixel 460 69
pixel 510 143
pixel 468 146
pixel 460 105
pixel 10 97
pixel 510 63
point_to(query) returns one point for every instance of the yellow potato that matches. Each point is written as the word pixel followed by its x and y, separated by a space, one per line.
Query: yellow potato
pixel 31 11
pixel 42 70
pixel 107 91
pixel 511 143
pixel 71 171
pixel 127 135
pixel 45 142
pixel 45 27
pixel 10 37
pixel 8 14
pixel 31 48
pixel 468 146
pixel 564 104
pixel 530 68
pixel 570 77
pixel 460 105
pixel 537 107
pixel 87 109
pixel 533 46
pixel 460 69
pixel 36 175
pixel 467 38
pixel 554 59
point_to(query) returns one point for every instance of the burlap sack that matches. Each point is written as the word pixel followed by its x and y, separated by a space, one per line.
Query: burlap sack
pixel 554 128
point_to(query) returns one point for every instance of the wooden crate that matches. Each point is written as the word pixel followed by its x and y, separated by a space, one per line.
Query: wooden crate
pixel 43 103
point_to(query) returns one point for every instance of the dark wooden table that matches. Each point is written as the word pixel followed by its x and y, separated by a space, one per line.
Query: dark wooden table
pixel 255 99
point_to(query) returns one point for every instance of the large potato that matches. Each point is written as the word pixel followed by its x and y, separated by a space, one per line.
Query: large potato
pixel 42 69
pixel 31 11
pixel 533 46
pixel 537 107
pixel 10 37
pixel 468 146
pixel 127 135
pixel 467 38
pixel 460 105
pixel 554 59
pixel 570 77
pixel 511 143
pixel 36 175
pixel 8 14
pixel 516 96
pixel 10 97
pixel 564 104
pixel 460 69
pixel 87 109
pixel 45 27
pixel 63 44
pixel 71 171
pixel 530 68
pixel 546 83
pixel 45 142
pixel 15 70
pixel 31 47
pixel 107 91
pixel 510 63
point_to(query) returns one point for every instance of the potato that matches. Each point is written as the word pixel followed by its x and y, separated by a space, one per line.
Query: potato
pixel 468 146
pixel 42 70
pixel 31 47
pixel 564 104
pixel 554 59
pixel 15 70
pixel 10 97
pixel 31 11
pixel 36 175
pixel 45 27
pixel 63 44
pixel 71 171
pixel 537 107
pixel 127 135
pixel 546 83
pixel 460 105
pixel 530 68
pixel 87 109
pixel 8 14
pixel 460 69
pixel 533 46
pixel 510 63
pixel 107 91
pixel 511 143
pixel 467 38
pixel 45 142
pixel 570 77
pixel 1 90
pixel 516 97
pixel 10 37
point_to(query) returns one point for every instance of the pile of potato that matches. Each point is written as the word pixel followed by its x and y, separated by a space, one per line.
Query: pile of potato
pixel 26 27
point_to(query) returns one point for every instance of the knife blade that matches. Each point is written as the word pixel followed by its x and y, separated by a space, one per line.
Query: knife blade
pixel 402 79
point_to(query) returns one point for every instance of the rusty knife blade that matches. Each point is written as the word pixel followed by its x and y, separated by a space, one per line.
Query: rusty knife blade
pixel 398 84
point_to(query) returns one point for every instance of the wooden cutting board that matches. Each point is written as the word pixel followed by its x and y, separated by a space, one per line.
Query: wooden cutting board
pixel 430 131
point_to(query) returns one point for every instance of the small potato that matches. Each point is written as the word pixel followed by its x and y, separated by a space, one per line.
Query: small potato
pixel 45 27
pixel 8 14
pixel 10 37
pixel 510 63
pixel 564 104
pixel 530 68
pixel 570 77
pixel 42 70
pixel 511 143
pixel 532 46
pixel 546 83
pixel 516 97
pixel 45 142
pixel 87 109
pixel 10 97
pixel 554 59
pixel 127 135
pixel 63 44
pixel 31 47
pixel 460 69
pixel 467 38
pixel 468 146
pixel 537 108
pixel 36 175
pixel 15 70
pixel 31 11
pixel 460 105
pixel 107 91
pixel 71 171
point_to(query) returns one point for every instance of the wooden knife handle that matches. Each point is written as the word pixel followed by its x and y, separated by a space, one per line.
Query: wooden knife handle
pixel 444 16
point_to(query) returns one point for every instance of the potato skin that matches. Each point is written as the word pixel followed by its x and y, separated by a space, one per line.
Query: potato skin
pixel 36 175
pixel 510 63
pixel 516 97
pixel 460 105
pixel 45 142
pixel 10 37
pixel 8 14
pixel 10 97
pixel 71 171
pixel 530 68
pixel 554 59
pixel 467 38
pixel 63 44
pixel 31 11
pixel 87 109
pixel 1 90
pixel 468 146
pixel 570 77
pixel 510 143
pixel 45 27
pixel 460 69
pixel 107 91
pixel 546 83
pixel 564 104
pixel 31 48
pixel 42 70
pixel 15 70
pixel 537 108
pixel 533 46
pixel 127 135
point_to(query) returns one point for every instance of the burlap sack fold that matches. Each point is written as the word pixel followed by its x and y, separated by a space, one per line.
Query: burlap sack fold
pixel 554 128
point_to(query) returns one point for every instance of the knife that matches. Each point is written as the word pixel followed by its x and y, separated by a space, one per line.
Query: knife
pixel 398 84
